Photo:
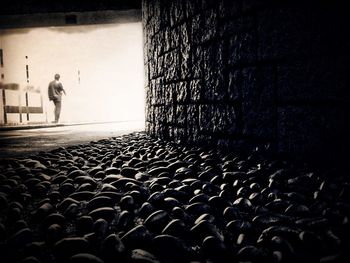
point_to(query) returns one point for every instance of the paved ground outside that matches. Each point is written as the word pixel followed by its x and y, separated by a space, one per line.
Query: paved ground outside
pixel 22 141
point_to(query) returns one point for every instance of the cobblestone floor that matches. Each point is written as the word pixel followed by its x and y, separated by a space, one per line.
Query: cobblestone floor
pixel 132 198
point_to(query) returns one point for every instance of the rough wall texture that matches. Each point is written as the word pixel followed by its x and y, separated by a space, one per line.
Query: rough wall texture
pixel 241 74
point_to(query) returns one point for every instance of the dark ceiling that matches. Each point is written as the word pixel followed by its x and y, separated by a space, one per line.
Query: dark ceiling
pixel 13 7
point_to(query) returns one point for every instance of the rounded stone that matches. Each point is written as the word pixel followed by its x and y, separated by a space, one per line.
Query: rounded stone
pixel 85 258
pixel 106 213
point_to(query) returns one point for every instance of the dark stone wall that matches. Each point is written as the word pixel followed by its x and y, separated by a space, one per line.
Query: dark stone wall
pixel 241 74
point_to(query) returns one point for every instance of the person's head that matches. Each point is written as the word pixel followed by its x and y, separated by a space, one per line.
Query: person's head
pixel 57 76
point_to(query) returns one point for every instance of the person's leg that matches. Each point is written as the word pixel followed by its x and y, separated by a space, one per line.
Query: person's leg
pixel 57 110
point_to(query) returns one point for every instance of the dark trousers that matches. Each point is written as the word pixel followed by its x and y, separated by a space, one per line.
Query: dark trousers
pixel 57 109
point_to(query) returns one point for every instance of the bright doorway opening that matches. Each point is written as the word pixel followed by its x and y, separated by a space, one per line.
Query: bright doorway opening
pixel 101 68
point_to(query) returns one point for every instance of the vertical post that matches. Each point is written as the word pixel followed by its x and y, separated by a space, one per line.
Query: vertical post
pixel 27 74
pixel 27 106
pixel 4 103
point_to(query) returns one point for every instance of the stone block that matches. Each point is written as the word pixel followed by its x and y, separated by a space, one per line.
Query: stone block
pixel 148 96
pixel 253 5
pixel 158 41
pixel 192 8
pixel 144 10
pixel 193 116
pixel 150 49
pixel 313 131
pixel 195 90
pixel 185 33
pixel 164 17
pixel 215 88
pixel 185 49
pixel 197 62
pixel 193 129
pixel 186 65
pixel 171 65
pixel 148 114
pixel 235 83
pixel 161 115
pixel 177 12
pixel 180 135
pixel 284 32
pixel 210 25
pixel 152 68
pixel 312 80
pixel 258 102
pixel 239 25
pixel 171 38
pixel 206 117
pixel 224 119
pixel 149 128
pixel 242 49
pixel 229 8
pixel 146 72
pixel 159 94
pixel 182 92
pixel 160 66
pixel 169 114
pixel 169 94
pixel 181 115
pixel 197 29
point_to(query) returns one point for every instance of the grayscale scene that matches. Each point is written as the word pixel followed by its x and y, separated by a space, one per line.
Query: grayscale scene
pixel 154 131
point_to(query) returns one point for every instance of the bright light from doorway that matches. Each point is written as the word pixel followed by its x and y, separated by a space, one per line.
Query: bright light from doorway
pixel 101 68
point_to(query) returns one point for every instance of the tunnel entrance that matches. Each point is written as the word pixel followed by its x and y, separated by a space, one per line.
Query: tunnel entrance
pixel 101 68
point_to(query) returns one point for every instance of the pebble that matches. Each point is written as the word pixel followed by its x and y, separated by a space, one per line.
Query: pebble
pixel 84 225
pixel 82 195
pixel 157 221
pixel 170 249
pixel 72 211
pixel 43 211
pixel 106 213
pixel 125 220
pixel 127 203
pixel 111 248
pixel 100 228
pixel 2 232
pixel 128 172
pixel 143 256
pixel 66 203
pixel 30 259
pixel 177 228
pixel 3 201
pixel 138 237
pixel 141 199
pixel 204 228
pixel 53 218
pixel 252 254
pixel 54 233
pixel 112 178
pixel 145 210
pixel 214 249
pixel 198 208
pixel 21 238
pixel 85 258
pixel 67 247
pixel 98 202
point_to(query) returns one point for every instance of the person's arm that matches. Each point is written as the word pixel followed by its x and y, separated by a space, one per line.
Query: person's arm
pixel 61 86
pixel 50 92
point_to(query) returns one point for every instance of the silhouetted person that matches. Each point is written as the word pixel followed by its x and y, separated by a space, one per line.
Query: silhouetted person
pixel 55 94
